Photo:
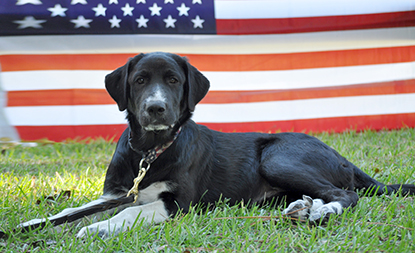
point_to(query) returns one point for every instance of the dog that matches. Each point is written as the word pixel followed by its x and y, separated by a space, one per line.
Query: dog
pixel 180 163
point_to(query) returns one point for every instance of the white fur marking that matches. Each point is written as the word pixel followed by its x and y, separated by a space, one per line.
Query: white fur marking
pixel 158 95
pixel 70 210
pixel 313 209
pixel 156 127
pixel 152 212
pixel 151 193
pixel 337 205
pixel 299 208
pixel 149 208
pixel 324 211
pixel 317 203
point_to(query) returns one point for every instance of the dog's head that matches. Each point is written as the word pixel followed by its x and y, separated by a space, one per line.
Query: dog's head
pixel 159 91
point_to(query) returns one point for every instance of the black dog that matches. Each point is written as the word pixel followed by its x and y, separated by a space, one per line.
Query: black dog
pixel 182 163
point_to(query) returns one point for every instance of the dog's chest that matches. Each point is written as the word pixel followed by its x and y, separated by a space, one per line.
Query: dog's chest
pixel 152 192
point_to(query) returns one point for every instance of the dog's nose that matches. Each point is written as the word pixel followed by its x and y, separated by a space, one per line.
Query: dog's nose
pixel 156 108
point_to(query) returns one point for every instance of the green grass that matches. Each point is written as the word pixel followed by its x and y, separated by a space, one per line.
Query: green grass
pixel 378 224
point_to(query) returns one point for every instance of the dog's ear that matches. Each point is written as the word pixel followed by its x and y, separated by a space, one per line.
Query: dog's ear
pixel 116 82
pixel 198 86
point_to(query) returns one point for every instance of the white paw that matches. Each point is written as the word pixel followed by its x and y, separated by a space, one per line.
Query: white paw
pixel 300 208
pixel 103 229
pixel 323 213
pixel 312 209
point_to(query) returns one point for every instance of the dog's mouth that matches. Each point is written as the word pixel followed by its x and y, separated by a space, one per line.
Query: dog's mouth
pixel 158 128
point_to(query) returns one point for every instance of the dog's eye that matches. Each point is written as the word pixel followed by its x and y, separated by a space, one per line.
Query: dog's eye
pixel 173 80
pixel 140 80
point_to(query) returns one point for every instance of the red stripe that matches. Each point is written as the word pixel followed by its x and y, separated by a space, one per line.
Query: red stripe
pixel 59 97
pixel 62 133
pixel 206 62
pixel 22 62
pixel 304 60
pixel 377 122
pixel 100 97
pixel 340 124
pixel 315 24
pixel 384 88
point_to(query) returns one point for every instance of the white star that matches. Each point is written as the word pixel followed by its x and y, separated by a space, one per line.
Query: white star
pixel 197 22
pixel 142 21
pixel 99 10
pixel 113 2
pixel 197 2
pixel 127 9
pixel 168 1
pixel 183 10
pixel 81 22
pixel 29 21
pixel 57 10
pixel 78 2
pixel 170 22
pixel 115 22
pixel 141 1
pixel 23 2
pixel 155 10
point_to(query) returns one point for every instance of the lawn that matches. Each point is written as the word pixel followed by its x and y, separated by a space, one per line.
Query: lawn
pixel 378 224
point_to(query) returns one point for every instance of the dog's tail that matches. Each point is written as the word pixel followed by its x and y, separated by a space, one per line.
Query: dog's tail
pixel 365 182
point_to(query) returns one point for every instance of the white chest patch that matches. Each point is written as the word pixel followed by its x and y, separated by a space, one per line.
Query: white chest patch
pixel 152 192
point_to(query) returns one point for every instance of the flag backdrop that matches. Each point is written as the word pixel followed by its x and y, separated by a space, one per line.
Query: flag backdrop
pixel 295 65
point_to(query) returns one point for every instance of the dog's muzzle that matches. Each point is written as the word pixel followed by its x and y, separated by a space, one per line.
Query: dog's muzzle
pixel 157 116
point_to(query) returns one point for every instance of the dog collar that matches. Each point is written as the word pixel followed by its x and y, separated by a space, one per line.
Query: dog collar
pixel 149 157
pixel 152 154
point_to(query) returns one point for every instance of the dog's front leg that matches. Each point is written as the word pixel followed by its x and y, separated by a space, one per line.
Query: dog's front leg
pixel 68 211
pixel 125 220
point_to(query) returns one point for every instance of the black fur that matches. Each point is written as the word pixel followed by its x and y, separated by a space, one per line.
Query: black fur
pixel 159 92
pixel 204 165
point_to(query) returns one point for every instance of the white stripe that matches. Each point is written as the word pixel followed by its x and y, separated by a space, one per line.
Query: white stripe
pixel 305 109
pixel 310 78
pixel 64 115
pixel 223 113
pixel 257 9
pixel 208 44
pixel 252 80
pixel 53 79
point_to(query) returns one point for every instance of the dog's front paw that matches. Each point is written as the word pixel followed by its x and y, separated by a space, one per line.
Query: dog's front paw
pixel 103 229
pixel 299 209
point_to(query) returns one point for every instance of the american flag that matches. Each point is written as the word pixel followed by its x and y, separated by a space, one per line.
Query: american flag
pixel 43 17
pixel 298 65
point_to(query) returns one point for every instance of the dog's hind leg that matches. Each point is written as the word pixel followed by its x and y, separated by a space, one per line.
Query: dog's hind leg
pixel 299 165
pixel 321 196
